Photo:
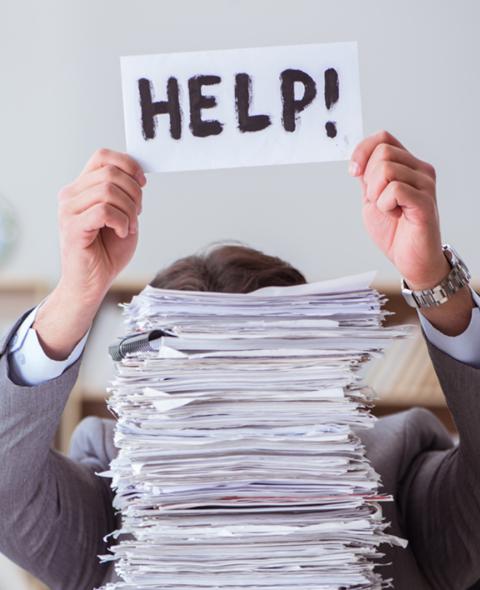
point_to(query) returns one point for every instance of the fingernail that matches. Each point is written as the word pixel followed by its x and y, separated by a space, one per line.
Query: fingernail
pixel 353 168
pixel 141 179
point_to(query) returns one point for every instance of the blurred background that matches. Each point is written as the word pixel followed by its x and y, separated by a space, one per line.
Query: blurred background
pixel 61 99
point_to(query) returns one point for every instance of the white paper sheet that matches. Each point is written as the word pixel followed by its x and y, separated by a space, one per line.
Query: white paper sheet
pixel 149 135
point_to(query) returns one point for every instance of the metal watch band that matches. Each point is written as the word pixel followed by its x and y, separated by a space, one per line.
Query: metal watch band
pixel 458 277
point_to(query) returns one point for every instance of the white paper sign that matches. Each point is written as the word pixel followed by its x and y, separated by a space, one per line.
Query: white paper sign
pixel 243 107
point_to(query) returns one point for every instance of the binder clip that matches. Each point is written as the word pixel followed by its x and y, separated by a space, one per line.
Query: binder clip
pixel 140 341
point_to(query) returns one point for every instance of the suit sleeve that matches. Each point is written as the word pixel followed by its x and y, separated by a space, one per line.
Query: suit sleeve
pixel 440 495
pixel 54 511
pixel 466 346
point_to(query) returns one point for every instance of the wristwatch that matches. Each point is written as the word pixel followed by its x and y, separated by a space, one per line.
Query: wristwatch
pixel 458 277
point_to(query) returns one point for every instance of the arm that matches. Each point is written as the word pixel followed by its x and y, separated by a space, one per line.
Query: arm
pixel 438 496
pixel 98 217
pixel 54 512
pixel 400 213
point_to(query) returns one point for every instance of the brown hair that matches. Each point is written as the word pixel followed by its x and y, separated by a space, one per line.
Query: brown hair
pixel 228 269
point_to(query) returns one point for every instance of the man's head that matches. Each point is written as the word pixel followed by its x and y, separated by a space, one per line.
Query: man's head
pixel 228 269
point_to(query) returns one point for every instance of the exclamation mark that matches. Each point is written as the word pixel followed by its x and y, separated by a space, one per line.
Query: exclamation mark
pixel 331 97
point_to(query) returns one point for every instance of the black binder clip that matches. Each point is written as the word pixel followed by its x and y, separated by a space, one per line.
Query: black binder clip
pixel 140 341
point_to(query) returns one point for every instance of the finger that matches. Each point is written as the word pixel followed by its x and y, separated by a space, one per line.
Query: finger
pixel 106 175
pixel 385 172
pixel 109 194
pixel 363 151
pixel 99 216
pixel 414 204
pixel 104 157
pixel 385 152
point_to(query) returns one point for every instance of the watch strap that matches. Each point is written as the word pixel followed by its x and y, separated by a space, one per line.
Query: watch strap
pixel 458 277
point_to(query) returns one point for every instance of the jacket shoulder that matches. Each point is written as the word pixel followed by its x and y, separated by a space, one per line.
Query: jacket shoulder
pixel 92 443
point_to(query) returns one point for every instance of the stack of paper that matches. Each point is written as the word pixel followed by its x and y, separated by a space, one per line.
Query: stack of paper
pixel 239 466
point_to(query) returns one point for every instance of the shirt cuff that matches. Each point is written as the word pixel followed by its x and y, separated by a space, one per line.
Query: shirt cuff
pixel 29 364
pixel 466 346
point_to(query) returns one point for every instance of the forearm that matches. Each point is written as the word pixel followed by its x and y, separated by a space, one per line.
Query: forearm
pixel 461 386
pixel 438 494
pixel 54 512
pixel 63 320
pixel 29 420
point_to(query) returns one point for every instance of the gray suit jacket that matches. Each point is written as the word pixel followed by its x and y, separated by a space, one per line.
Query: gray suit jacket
pixel 54 510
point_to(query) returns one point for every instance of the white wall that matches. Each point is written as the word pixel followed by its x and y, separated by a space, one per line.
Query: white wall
pixel 60 99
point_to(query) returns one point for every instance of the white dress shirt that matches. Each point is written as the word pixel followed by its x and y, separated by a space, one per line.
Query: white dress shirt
pixel 30 365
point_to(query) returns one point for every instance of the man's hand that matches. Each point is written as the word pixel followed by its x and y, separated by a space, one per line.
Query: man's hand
pixel 98 236
pixel 400 214
pixel 98 222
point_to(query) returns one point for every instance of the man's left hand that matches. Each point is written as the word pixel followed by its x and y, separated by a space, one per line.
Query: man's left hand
pixel 400 208
pixel 400 214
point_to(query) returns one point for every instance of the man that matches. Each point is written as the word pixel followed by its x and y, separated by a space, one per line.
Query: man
pixel 54 510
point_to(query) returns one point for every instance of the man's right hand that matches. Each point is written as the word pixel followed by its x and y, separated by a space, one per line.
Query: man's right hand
pixel 98 222
pixel 98 236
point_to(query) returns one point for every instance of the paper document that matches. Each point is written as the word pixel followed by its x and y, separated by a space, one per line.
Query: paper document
pixel 242 107
pixel 240 465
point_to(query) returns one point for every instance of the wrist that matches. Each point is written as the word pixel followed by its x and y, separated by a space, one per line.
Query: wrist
pixel 431 277
pixel 443 296
pixel 453 317
pixel 80 300
pixel 63 320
